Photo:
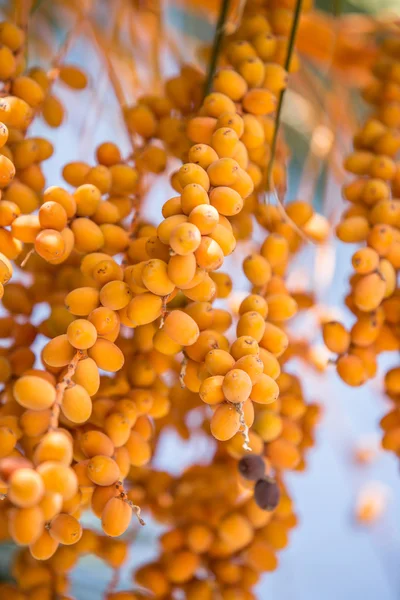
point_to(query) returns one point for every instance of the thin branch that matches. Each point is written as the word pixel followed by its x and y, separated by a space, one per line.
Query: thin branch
pixel 101 46
pixel 61 387
pixel 337 8
pixel 115 83
pixel 156 50
pixel 236 18
pixel 27 257
pixel 85 132
pixel 22 10
pixel 336 123
pixel 291 44
pixel 56 62
pixel 285 216
pixel 244 426
pixel 65 47
pixel 114 581
pixel 22 14
pixel 35 6
pixel 121 493
pixel 218 38
pixel 182 373
pixel 103 49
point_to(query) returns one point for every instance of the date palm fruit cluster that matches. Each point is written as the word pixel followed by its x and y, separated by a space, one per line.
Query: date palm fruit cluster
pixel 372 220
pixel 112 337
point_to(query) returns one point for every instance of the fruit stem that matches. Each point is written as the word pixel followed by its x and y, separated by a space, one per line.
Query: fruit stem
pixel 27 257
pixel 288 60
pixel 114 581
pixel 183 371
pixel 124 496
pixel 61 387
pixel 245 429
pixel 163 311
pixel 216 48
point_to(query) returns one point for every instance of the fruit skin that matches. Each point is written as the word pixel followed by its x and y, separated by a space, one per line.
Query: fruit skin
pixel 237 386
pixel 225 422
pixel 58 478
pixel 26 525
pixel 58 352
pixel 81 334
pixel 76 404
pixel 103 470
pixel 266 493
pixel 107 355
pixel 336 338
pixel 181 328
pixel 116 517
pixel 34 392
pixel 44 547
pixel 252 467
pixel 65 529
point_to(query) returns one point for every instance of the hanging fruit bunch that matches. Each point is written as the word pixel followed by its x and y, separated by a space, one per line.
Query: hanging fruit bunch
pixel 372 221
pixel 118 330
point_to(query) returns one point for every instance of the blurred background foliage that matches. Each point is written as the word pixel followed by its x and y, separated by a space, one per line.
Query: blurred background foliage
pixel 136 44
